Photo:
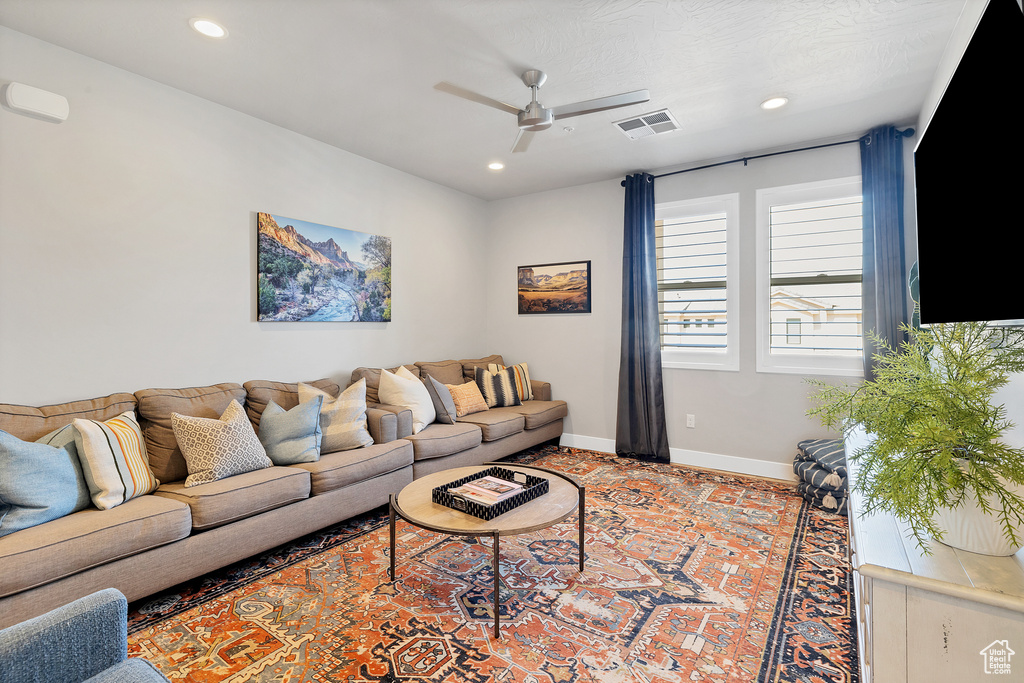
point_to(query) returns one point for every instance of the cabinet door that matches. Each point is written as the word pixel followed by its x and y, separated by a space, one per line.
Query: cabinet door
pixel 887 609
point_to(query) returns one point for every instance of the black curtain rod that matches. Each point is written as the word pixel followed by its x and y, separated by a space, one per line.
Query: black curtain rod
pixel 761 156
pixel 867 136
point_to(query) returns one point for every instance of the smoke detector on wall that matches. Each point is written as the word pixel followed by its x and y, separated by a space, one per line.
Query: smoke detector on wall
pixel 646 125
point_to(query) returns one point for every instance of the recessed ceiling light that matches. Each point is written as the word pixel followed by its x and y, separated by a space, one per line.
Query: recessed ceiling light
pixel 495 165
pixel 208 28
pixel 774 102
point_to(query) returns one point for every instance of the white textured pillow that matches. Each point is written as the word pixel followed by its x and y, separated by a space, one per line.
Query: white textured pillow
pixel 342 419
pixel 215 449
pixel 402 388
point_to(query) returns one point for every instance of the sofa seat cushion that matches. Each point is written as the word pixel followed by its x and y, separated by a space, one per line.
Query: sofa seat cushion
pixel 343 468
pixel 438 440
pixel 540 413
pixel 243 495
pixel 496 423
pixel 89 538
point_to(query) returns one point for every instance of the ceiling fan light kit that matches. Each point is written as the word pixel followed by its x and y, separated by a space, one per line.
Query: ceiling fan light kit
pixel 534 116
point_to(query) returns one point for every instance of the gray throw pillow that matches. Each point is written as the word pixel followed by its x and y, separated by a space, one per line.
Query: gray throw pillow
pixel 444 406
pixel 40 481
pixel 292 436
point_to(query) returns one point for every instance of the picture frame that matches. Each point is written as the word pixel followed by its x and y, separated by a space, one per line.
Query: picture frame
pixel 547 288
pixel 308 272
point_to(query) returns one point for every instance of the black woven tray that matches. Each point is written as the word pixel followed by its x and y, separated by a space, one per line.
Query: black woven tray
pixel 533 488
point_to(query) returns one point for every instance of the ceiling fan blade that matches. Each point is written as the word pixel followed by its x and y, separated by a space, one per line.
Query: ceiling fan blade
pixel 522 140
pixel 600 104
pixel 453 89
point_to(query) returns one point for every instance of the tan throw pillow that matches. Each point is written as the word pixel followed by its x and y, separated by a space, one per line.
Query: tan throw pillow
pixel 403 388
pixel 216 449
pixel 342 419
pixel 467 398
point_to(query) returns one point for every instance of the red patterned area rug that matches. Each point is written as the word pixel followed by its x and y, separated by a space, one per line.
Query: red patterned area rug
pixel 690 576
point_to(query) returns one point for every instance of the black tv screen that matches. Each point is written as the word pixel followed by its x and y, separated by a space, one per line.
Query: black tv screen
pixel 970 204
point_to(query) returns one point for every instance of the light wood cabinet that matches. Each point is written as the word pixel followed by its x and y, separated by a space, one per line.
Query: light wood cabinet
pixel 929 619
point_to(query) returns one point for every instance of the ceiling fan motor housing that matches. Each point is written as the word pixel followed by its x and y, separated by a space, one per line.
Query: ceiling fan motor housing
pixel 535 117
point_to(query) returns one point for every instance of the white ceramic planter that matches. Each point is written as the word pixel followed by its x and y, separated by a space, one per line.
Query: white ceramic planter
pixel 969 528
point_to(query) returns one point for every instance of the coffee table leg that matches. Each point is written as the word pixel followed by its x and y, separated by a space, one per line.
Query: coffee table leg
pixel 494 540
pixel 391 506
pixel 583 519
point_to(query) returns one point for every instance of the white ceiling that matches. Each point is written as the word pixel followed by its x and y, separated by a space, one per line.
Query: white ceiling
pixel 359 74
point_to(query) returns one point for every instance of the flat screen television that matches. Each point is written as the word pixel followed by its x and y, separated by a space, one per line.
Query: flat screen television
pixel 969 184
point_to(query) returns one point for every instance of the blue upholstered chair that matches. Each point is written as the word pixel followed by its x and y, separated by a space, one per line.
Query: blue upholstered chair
pixel 84 641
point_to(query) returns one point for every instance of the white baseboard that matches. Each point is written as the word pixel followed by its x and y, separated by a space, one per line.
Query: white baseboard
pixel 682 456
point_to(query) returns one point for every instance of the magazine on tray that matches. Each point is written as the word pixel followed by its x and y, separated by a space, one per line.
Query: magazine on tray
pixel 494 488
pixel 472 495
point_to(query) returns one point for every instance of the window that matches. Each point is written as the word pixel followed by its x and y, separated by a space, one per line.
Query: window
pixel 697 304
pixel 809 312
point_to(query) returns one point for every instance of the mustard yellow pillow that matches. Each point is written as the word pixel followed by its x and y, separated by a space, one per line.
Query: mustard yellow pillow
pixel 467 398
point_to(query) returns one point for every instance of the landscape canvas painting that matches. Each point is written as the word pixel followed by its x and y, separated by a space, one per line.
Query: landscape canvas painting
pixel 307 272
pixel 555 288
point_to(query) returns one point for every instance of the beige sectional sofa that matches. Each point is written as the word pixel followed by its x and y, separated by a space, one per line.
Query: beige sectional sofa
pixel 476 438
pixel 156 541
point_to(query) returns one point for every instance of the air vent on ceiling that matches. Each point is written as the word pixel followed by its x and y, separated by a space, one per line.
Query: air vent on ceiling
pixel 646 125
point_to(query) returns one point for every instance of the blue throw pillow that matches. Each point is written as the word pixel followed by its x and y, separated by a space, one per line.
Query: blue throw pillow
pixel 39 481
pixel 292 436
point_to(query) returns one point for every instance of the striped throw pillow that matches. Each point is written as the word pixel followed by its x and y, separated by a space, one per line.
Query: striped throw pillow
pixel 498 389
pixel 114 462
pixel 342 419
pixel 467 398
pixel 522 377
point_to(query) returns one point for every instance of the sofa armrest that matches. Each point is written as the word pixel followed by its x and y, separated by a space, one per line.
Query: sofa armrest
pixel 541 390
pixel 382 424
pixel 132 670
pixel 402 414
pixel 68 644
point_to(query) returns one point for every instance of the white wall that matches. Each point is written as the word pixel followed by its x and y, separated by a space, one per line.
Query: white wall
pixel 579 352
pixel 128 236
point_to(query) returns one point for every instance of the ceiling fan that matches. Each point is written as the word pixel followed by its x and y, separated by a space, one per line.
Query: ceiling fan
pixel 534 116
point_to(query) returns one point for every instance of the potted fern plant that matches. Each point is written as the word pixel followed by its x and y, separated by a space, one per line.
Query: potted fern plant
pixel 934 456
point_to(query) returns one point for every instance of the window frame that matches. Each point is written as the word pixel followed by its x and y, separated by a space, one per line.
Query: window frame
pixel 708 359
pixel 807 364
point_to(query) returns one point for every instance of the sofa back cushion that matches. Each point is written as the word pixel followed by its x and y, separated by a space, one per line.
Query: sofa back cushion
pixel 30 423
pixel 258 393
pixel 469 366
pixel 372 377
pixel 444 371
pixel 155 408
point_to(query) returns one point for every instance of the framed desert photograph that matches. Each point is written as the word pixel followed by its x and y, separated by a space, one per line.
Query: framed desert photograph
pixel 555 288
pixel 307 272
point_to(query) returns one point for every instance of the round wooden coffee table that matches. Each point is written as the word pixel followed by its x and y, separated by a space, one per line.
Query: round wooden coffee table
pixel 413 504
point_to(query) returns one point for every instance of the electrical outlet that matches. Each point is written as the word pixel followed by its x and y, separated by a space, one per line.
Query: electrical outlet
pixel 691 421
